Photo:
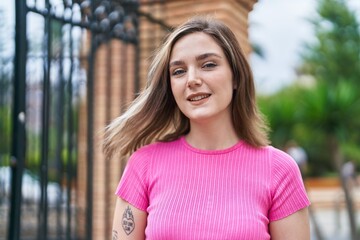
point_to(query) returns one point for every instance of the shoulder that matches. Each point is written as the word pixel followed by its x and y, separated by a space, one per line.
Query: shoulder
pixel 278 161
pixel 145 159
pixel 157 148
pixel 271 154
pixel 284 169
pixel 279 158
pixel 287 190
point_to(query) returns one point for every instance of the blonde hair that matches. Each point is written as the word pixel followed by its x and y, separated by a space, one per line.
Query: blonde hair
pixel 154 115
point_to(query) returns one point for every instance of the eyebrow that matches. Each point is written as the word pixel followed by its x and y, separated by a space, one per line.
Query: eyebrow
pixel 206 55
pixel 198 58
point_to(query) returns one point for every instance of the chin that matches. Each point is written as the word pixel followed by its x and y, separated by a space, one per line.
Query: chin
pixel 199 118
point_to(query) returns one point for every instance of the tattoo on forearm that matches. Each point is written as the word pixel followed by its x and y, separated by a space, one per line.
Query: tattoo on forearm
pixel 128 222
pixel 114 235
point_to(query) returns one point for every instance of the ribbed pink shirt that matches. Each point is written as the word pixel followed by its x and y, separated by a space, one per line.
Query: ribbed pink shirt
pixel 190 193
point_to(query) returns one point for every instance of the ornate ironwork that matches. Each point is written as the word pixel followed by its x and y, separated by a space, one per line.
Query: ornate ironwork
pixel 56 85
pixel 106 18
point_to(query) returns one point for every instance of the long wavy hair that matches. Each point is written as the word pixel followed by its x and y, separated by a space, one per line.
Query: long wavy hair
pixel 154 114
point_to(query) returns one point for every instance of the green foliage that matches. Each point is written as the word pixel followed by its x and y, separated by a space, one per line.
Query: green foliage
pixel 285 114
pixel 5 86
pixel 335 55
pixel 334 61
pixel 5 135
pixel 56 35
pixel 33 160
pixel 5 128
pixel 352 150
pixel 330 109
pixel 281 112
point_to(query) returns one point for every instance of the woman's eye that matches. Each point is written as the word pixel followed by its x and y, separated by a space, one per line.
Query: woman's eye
pixel 209 65
pixel 177 72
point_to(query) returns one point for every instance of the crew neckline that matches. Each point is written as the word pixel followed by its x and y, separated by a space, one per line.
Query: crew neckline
pixel 204 151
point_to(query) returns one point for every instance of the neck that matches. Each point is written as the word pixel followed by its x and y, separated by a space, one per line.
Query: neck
pixel 212 136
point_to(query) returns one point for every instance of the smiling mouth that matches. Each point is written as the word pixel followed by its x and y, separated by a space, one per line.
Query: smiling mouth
pixel 199 97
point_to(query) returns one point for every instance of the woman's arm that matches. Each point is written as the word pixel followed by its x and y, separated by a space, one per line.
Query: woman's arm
pixel 129 222
pixel 294 227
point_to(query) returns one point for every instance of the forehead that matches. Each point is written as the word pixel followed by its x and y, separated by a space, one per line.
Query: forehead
pixel 195 44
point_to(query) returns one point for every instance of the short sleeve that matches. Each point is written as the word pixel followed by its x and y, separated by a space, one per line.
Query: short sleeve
pixel 133 185
pixel 287 188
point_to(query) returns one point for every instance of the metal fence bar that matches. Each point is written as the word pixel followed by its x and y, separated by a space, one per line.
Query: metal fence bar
pixel 46 101
pixel 43 211
pixel 58 134
pixel 18 119
pixel 90 124
pixel 70 141
pixel 60 131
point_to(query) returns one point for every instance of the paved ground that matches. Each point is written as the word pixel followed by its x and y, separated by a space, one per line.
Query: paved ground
pixel 330 214
pixel 333 225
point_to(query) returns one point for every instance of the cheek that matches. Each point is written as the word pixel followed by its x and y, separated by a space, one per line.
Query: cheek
pixel 173 88
pixel 176 89
pixel 227 92
pixel 175 93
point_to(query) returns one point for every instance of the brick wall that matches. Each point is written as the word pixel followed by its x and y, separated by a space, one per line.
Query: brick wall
pixel 114 87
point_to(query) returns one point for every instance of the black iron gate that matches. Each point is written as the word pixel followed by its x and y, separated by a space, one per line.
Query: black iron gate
pixel 51 73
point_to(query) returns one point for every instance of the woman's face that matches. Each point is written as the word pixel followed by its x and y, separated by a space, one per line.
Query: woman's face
pixel 201 78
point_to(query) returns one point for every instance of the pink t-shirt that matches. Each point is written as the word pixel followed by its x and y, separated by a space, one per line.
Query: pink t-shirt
pixel 190 193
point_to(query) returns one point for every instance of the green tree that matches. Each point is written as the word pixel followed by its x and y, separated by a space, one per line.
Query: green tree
pixel 5 89
pixel 285 114
pixel 333 105
pixel 334 57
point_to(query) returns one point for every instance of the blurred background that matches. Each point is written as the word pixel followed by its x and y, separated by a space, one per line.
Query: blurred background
pixel 68 67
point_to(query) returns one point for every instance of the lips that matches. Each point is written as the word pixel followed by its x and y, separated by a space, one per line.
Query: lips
pixel 198 97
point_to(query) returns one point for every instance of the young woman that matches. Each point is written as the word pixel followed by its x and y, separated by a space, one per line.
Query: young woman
pixel 200 165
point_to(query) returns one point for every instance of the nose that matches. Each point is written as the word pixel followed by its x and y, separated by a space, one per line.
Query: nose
pixel 193 79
